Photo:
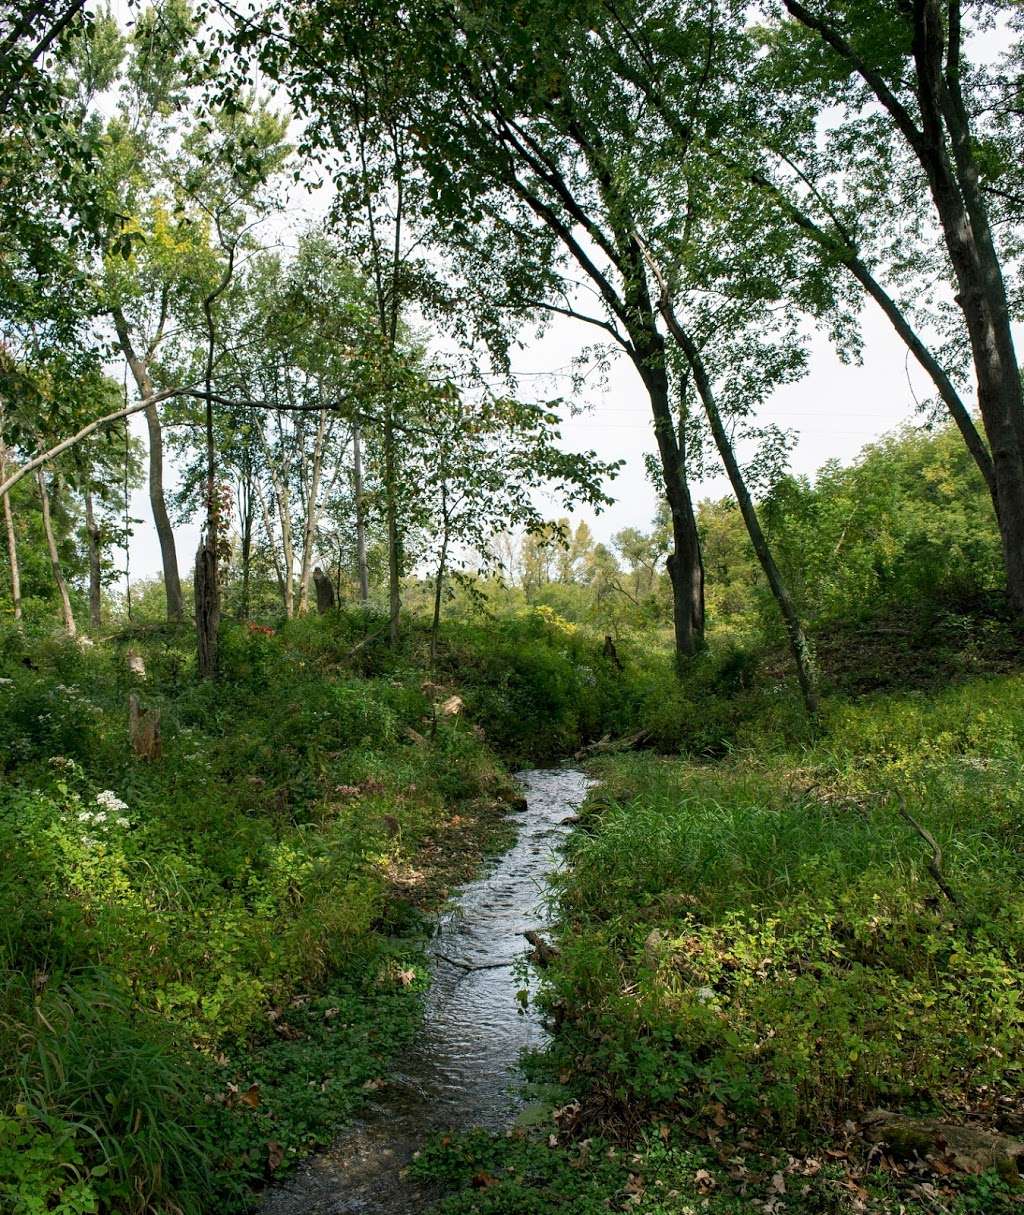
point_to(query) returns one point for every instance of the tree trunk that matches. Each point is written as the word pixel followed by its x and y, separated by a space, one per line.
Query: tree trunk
pixel 435 624
pixel 794 629
pixel 394 540
pixel 357 470
pixel 963 216
pixel 92 533
pixel 207 600
pixel 981 289
pixel 312 496
pixel 268 527
pixel 12 544
pixel 324 591
pixel 51 544
pixel 157 502
pixel 685 565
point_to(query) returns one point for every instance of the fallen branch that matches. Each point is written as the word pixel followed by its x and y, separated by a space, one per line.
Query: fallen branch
pixel 934 862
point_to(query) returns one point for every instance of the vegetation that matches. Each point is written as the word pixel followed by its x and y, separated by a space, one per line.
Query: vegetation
pixel 300 248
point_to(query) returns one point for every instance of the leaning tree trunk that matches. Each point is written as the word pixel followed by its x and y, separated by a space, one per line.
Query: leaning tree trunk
pixel 157 501
pixel 92 533
pixel 12 545
pixel 361 562
pixel 981 291
pixel 798 645
pixel 51 545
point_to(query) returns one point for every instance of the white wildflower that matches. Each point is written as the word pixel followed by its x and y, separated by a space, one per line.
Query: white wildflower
pixel 85 816
pixel 99 817
pixel 109 800
pixel 123 822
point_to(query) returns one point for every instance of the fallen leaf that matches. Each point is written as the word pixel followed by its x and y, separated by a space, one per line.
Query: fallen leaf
pixel 275 1155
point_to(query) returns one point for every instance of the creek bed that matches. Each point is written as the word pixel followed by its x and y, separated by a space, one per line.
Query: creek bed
pixel 461 1073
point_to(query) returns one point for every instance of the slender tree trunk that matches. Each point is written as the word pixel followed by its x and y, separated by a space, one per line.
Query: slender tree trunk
pixel 92 533
pixel 435 624
pixel 361 563
pixel 12 543
pixel 312 504
pixel 685 564
pixel 798 645
pixel 268 527
pixel 394 539
pixel 157 501
pixel 51 545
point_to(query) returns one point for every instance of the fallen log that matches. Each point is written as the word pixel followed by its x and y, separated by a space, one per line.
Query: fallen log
pixel 969 1149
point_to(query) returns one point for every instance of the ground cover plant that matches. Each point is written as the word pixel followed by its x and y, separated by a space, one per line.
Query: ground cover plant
pixel 209 956
pixel 756 952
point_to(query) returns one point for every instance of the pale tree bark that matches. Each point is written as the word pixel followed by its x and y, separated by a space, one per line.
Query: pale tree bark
pixel 51 545
pixel 360 503
pixel 157 500
pixel 268 527
pixel 12 542
pixel 282 496
pixel 312 512
pixel 92 533
pixel 442 560
pixel 394 537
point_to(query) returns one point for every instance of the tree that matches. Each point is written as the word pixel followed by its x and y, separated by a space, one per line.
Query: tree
pixel 513 179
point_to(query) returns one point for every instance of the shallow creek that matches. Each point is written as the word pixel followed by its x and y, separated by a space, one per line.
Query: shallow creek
pixel 461 1073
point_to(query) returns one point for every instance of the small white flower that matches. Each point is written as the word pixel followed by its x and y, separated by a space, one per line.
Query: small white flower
pixel 123 822
pixel 99 817
pixel 109 800
pixel 85 816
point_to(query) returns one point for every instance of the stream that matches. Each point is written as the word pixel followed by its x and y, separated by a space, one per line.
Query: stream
pixel 462 1071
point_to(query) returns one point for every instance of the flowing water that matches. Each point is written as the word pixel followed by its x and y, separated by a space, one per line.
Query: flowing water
pixel 462 1071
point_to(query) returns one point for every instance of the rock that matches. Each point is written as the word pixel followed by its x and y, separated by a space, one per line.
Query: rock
pixel 570 820
pixel 970 1149
pixel 543 952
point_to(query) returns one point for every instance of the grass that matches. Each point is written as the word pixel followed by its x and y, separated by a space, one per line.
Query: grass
pixel 755 952
pixel 207 960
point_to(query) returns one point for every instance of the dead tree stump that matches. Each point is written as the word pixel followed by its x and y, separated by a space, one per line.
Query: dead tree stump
pixel 144 729
pixel 324 591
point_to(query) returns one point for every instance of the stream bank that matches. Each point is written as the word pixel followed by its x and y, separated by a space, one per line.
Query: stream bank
pixel 461 1071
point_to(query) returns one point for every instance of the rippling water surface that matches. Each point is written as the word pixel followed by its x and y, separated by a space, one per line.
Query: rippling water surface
pixel 461 1072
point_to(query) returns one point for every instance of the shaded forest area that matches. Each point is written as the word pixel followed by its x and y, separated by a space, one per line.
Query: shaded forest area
pixel 278 264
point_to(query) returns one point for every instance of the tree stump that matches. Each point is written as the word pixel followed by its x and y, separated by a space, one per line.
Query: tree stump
pixel 324 591
pixel 144 730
